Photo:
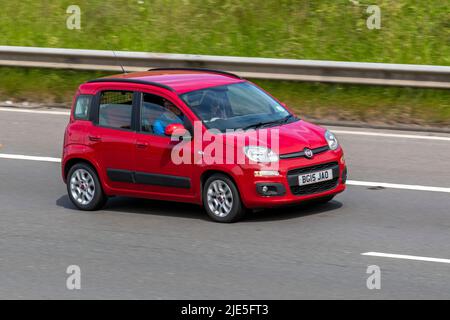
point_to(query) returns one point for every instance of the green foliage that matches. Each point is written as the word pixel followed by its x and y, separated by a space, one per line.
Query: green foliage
pixel 412 31
pixel 373 104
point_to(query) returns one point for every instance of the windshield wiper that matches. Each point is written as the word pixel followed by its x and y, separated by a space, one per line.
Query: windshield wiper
pixel 255 125
pixel 275 122
pixel 286 120
pixel 281 121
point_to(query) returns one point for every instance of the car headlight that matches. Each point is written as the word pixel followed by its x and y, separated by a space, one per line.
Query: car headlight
pixel 260 154
pixel 332 140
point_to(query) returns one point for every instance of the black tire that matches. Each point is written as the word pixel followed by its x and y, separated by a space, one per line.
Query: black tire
pixel 237 209
pixel 98 200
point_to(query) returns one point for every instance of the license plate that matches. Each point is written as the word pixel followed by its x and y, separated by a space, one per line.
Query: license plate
pixel 315 177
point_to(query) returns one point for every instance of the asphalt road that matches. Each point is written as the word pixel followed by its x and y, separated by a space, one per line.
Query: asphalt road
pixel 143 249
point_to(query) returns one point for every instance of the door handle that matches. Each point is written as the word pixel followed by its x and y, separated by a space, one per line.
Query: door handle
pixel 141 145
pixel 94 138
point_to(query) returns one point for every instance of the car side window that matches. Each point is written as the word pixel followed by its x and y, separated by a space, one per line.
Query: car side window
pixel 115 109
pixel 157 113
pixel 82 107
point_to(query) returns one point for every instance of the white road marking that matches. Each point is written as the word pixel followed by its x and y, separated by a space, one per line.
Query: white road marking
pixel 349 182
pixel 391 135
pixel 61 113
pixel 397 186
pixel 402 256
pixel 32 158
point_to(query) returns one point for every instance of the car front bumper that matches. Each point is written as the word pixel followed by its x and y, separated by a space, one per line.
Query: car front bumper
pixel 284 189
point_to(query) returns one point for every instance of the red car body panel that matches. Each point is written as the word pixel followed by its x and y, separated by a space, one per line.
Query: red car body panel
pixel 130 150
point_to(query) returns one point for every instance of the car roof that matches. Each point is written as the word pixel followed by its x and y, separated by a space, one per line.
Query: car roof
pixel 179 80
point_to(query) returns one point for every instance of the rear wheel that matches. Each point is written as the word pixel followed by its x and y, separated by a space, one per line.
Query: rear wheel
pixel 84 188
pixel 221 199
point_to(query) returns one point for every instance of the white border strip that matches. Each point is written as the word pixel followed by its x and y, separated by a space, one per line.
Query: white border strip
pixel 406 257
pixel 391 135
pixel 397 186
pixel 32 158
pixel 64 113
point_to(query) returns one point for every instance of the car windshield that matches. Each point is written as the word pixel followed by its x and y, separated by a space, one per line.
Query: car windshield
pixel 236 106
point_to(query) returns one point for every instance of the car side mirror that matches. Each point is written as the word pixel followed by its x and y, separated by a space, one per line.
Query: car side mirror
pixel 176 129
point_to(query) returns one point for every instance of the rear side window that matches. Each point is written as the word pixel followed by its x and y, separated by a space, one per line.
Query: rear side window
pixel 82 107
pixel 116 109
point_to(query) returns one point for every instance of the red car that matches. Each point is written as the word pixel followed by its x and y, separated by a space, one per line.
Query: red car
pixel 195 135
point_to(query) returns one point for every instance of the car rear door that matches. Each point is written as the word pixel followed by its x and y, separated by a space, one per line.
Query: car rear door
pixel 112 136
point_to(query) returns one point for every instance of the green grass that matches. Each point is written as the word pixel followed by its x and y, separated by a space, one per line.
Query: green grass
pixel 312 100
pixel 412 31
pixel 377 105
pixel 42 85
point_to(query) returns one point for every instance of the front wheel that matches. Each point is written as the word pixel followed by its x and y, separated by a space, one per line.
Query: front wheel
pixel 221 199
pixel 84 188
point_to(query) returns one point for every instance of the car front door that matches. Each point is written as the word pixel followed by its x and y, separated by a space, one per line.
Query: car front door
pixel 156 171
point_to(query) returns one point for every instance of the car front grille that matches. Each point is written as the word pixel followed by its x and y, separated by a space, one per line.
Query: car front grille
pixel 316 187
pixel 301 154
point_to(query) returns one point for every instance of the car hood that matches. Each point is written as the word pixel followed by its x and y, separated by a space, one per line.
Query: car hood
pixel 292 137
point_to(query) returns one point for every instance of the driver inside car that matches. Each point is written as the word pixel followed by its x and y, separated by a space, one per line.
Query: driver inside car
pixel 211 108
pixel 217 112
pixel 171 115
